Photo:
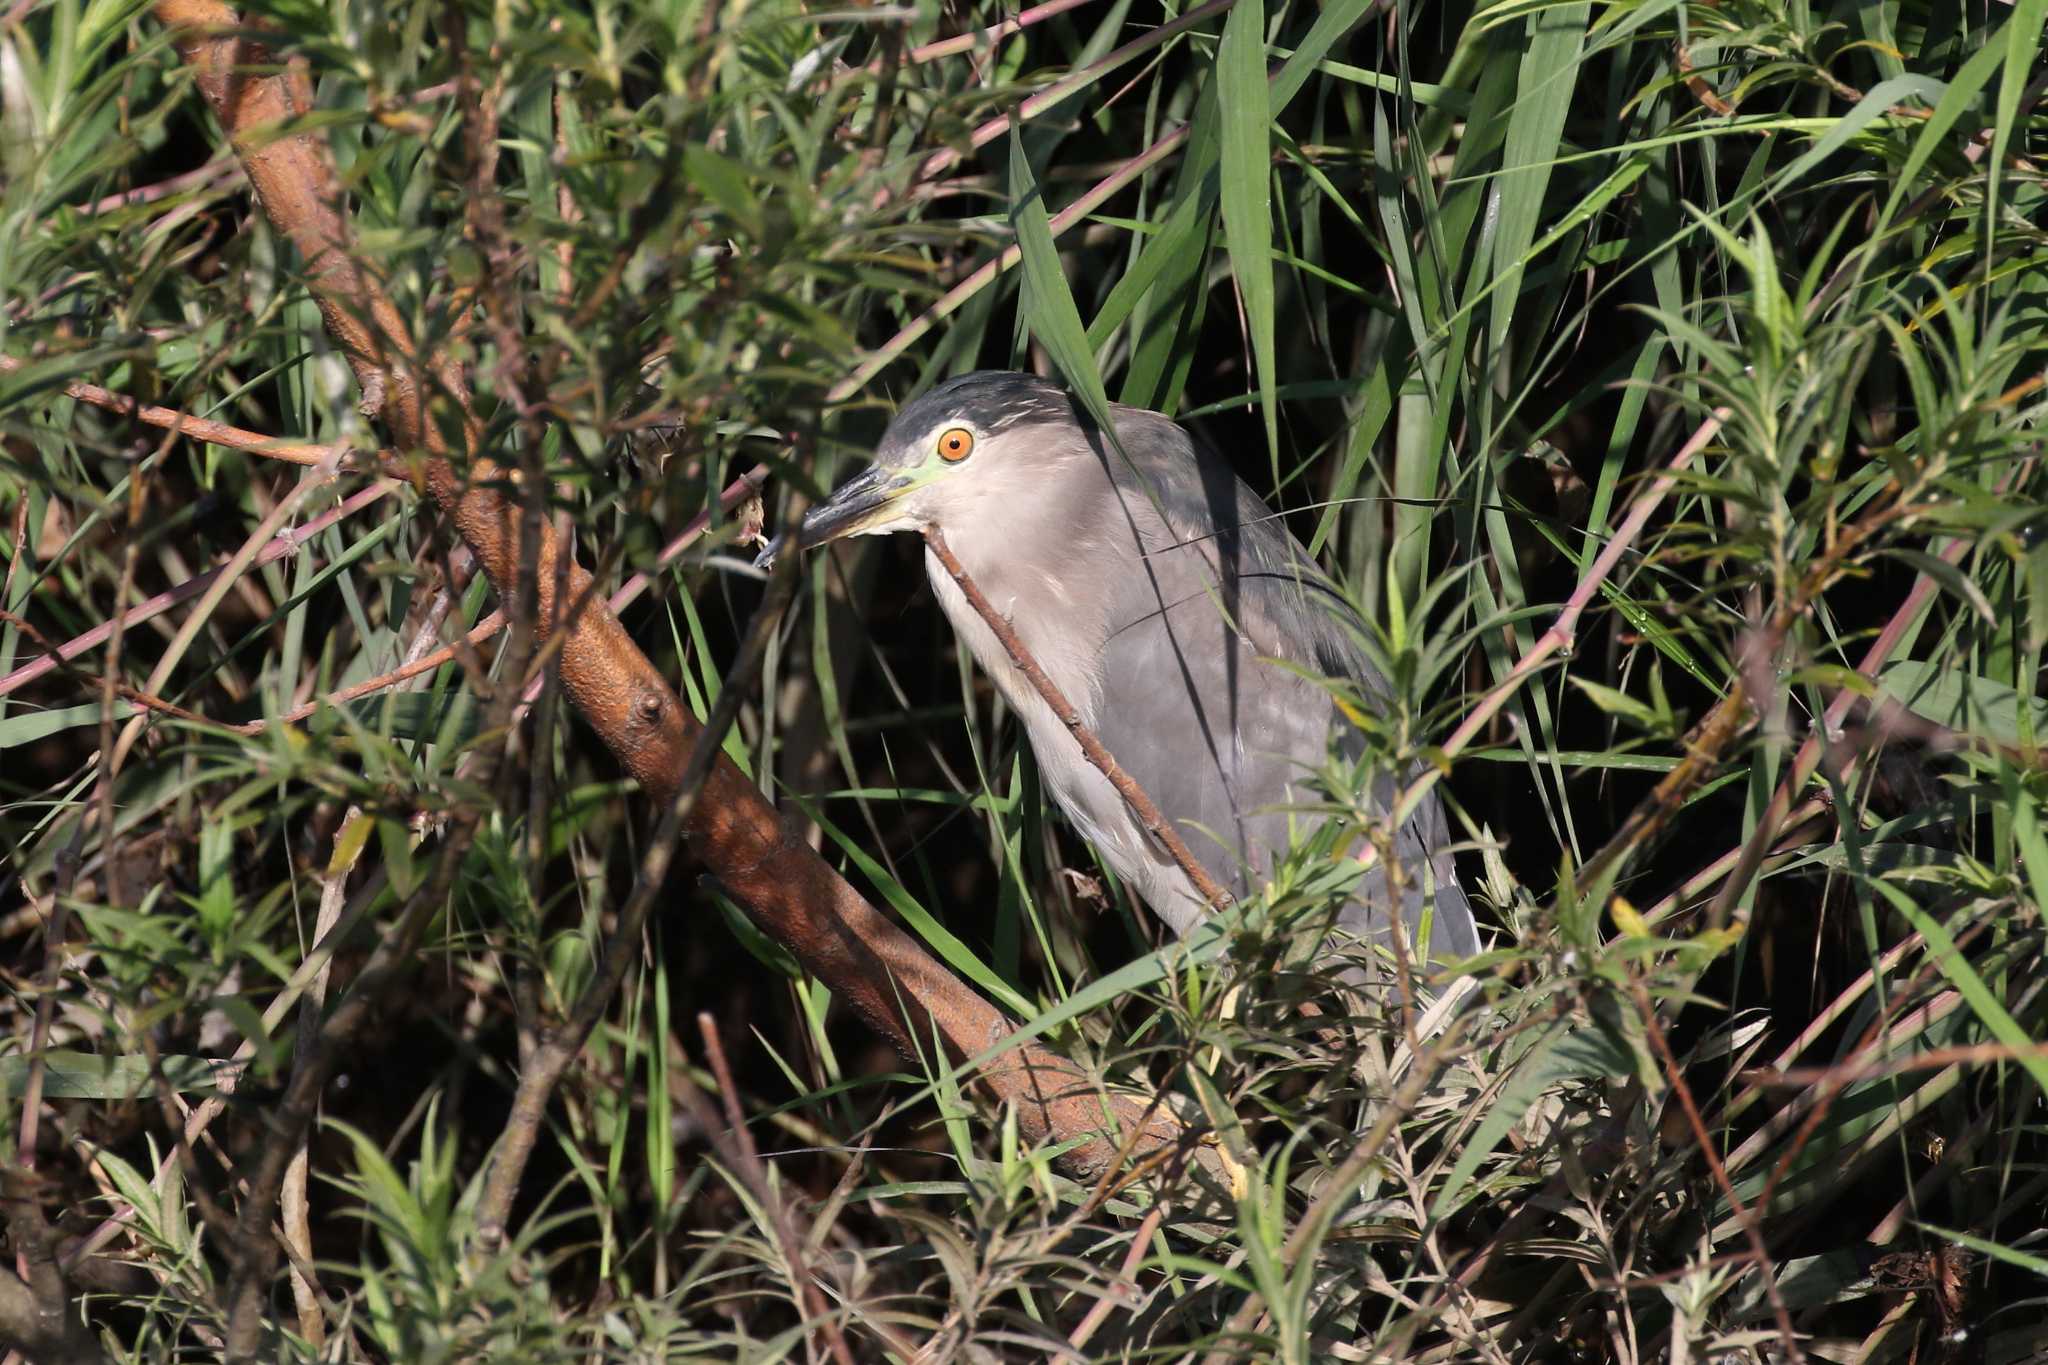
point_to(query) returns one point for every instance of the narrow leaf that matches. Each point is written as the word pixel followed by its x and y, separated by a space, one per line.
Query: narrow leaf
pixel 1247 194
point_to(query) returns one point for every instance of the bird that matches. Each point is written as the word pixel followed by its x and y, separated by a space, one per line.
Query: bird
pixel 1183 621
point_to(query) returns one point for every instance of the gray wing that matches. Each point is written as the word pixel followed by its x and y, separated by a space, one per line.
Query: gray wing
pixel 1222 739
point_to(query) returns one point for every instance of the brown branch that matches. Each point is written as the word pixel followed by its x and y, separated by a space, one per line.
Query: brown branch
pixel 1134 796
pixel 880 970
pixel 541 1072
pixel 865 959
pixel 1701 91
pixel 36 1315
pixel 198 428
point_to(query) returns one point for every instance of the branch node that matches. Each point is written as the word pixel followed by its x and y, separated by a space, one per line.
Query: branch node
pixel 372 404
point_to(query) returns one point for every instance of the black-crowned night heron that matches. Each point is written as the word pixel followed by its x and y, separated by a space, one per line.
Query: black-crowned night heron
pixel 1178 615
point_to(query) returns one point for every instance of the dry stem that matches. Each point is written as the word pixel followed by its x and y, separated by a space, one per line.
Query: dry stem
pixel 1134 796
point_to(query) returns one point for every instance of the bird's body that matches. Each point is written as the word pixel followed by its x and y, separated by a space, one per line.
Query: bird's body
pixel 1178 615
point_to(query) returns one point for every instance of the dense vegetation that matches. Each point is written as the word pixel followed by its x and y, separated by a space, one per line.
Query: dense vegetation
pixel 1665 380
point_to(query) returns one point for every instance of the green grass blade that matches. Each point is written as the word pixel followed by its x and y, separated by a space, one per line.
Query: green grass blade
pixel 1247 194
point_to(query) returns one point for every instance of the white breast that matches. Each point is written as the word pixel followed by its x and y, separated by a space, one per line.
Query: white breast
pixel 1094 806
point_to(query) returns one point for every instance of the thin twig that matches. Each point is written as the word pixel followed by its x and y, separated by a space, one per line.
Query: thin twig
pixel 219 168
pixel 983 37
pixel 1114 1294
pixel 404 673
pixel 875 361
pixel 939 162
pixel 413 667
pixel 1888 1020
pixel 1563 632
pixel 182 640
pixel 1760 1254
pixel 738 491
pixel 207 430
pixel 1807 760
pixel 543 1071
pixel 1134 796
pixel 284 543
pixel 146 700
pixel 1878 1068
pixel 749 1167
pixel 1704 744
pixel 1342 1185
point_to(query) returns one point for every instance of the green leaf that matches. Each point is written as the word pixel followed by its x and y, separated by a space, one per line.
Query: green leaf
pixel 1569 1051
pixel 1955 99
pixel 1995 1018
pixel 1543 95
pixel 1247 193
pixel 1333 21
pixel 2022 33
pixel 30 726
pixel 724 182
pixel 1962 700
pixel 89 1076
pixel 423 717
pixel 937 936
pixel 1049 309
pixel 1615 702
pixel 1877 104
pixel 1951 579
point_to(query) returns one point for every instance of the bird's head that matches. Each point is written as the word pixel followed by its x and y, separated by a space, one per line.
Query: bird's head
pixel 987 435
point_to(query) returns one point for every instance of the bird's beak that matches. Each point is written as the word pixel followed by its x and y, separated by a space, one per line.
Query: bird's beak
pixel 861 504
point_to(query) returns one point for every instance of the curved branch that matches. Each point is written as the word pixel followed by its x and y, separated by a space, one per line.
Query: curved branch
pixel 867 960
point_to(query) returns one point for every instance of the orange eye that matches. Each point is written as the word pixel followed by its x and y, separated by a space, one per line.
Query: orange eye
pixel 956 444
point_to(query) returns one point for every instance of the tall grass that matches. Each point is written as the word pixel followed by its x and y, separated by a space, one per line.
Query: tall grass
pixel 1752 1068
